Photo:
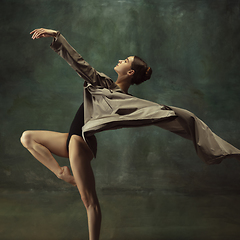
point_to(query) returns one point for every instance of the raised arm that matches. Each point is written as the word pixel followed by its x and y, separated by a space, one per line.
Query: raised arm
pixel 73 58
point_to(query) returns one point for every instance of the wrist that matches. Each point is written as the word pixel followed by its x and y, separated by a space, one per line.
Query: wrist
pixel 56 35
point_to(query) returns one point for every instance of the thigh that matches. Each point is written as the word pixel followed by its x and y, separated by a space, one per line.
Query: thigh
pixel 55 142
pixel 77 124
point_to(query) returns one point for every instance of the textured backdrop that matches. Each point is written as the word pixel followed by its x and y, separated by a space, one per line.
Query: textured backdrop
pixel 193 48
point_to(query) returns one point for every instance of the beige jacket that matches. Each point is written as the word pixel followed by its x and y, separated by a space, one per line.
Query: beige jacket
pixel 107 107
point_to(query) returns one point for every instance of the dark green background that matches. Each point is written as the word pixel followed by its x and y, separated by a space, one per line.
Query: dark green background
pixel 193 48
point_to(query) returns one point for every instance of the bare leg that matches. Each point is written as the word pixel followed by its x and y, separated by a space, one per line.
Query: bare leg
pixel 41 144
pixel 80 157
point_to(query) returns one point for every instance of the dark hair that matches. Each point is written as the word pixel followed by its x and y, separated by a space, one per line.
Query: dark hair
pixel 142 71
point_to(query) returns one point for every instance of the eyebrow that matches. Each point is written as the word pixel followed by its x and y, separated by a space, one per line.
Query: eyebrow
pixel 128 59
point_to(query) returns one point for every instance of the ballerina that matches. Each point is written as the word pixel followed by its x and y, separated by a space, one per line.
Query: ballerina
pixel 107 105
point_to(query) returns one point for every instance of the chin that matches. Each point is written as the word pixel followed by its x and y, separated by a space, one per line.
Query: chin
pixel 115 69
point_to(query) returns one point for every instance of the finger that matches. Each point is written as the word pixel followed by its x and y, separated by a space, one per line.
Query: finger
pixel 34 35
pixel 40 33
pixel 33 31
pixel 37 33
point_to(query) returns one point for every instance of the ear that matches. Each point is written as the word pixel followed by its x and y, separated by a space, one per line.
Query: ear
pixel 131 72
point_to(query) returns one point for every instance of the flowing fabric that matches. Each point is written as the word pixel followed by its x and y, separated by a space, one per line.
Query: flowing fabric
pixel 107 107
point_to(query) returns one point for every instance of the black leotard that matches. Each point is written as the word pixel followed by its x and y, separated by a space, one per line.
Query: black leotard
pixel 76 126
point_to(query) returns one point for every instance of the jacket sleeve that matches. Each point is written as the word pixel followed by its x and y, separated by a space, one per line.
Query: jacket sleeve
pixel 76 61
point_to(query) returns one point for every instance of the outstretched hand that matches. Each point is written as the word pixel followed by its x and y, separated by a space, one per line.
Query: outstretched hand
pixel 43 32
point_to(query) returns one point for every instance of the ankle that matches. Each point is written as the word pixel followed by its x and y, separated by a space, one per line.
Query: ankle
pixel 59 173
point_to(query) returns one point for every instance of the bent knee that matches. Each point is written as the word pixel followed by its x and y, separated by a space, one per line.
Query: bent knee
pixel 26 139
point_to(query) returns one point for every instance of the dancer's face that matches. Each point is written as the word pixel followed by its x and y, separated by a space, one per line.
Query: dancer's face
pixel 124 66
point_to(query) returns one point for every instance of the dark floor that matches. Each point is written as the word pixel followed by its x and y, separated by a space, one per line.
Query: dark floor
pixel 61 215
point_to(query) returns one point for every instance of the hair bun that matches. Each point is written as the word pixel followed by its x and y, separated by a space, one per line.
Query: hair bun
pixel 141 71
pixel 148 73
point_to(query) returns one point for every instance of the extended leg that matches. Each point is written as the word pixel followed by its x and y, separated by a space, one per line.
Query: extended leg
pixel 80 157
pixel 41 144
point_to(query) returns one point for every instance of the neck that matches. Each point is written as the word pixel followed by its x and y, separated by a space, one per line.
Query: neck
pixel 124 83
